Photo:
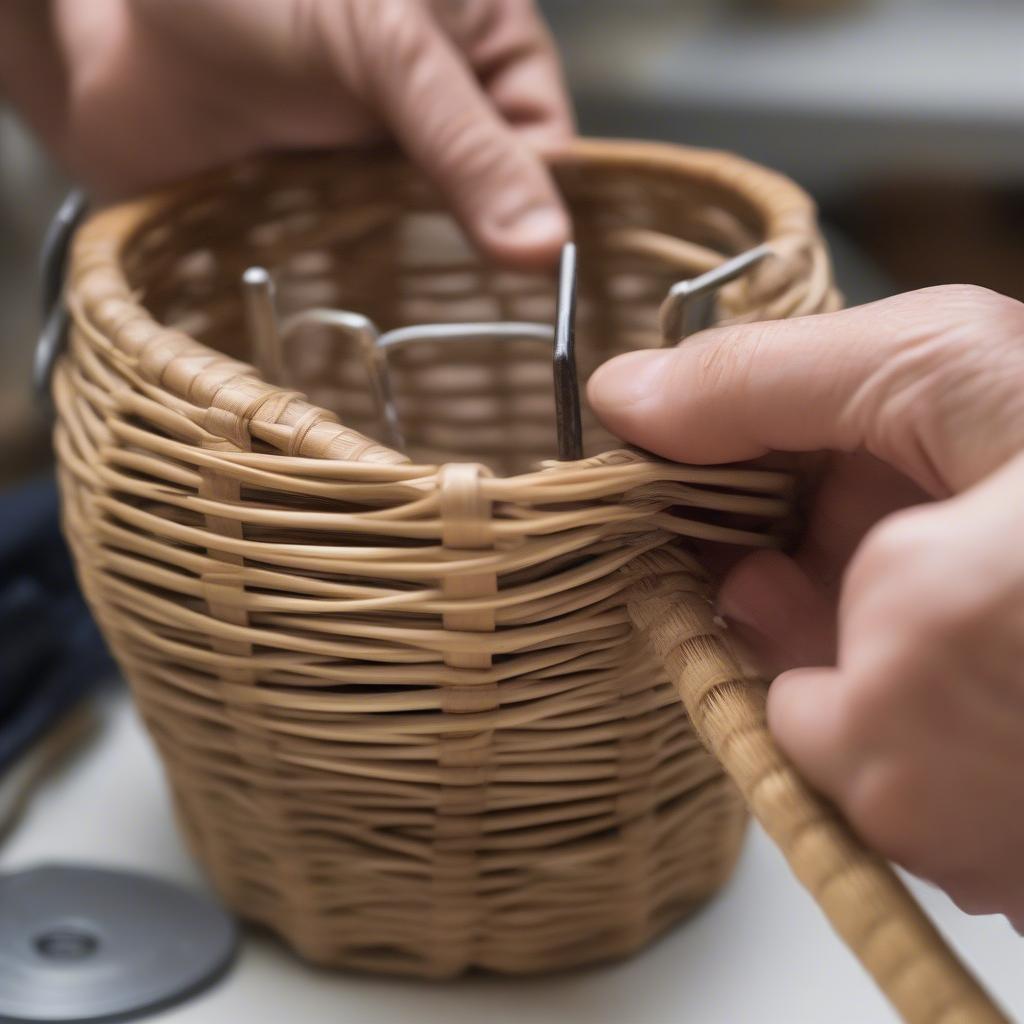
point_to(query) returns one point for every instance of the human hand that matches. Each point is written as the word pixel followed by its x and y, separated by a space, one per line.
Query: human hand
pixel 900 621
pixel 159 90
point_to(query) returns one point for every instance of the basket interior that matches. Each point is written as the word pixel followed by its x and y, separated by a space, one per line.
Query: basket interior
pixel 369 234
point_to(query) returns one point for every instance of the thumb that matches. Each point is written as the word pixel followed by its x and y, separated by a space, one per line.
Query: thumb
pixel 894 377
pixel 806 714
pixel 429 98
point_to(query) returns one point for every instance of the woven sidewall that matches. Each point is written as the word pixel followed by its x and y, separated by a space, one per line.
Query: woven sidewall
pixel 406 718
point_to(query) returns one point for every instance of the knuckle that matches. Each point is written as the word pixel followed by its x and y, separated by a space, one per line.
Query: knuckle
pixel 900 544
pixel 403 32
pixel 474 147
pixel 972 304
pixel 494 172
pixel 940 344
pixel 479 21
pixel 395 28
pixel 481 154
pixel 971 322
pixel 387 16
pixel 729 356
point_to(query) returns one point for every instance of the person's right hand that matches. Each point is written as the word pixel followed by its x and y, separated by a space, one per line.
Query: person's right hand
pixel 157 90
pixel 901 619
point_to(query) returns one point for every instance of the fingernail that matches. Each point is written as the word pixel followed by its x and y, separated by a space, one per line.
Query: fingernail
pixel 756 650
pixel 743 609
pixel 629 379
pixel 736 613
pixel 536 227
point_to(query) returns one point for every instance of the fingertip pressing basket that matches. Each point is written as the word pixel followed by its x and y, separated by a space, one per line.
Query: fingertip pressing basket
pixel 420 710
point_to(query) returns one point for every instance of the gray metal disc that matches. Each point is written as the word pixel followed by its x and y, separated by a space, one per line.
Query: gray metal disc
pixel 91 944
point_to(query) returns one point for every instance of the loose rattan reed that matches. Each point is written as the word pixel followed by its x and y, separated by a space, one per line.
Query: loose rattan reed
pixel 419 710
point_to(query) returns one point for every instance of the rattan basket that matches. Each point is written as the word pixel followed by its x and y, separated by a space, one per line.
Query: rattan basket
pixel 420 710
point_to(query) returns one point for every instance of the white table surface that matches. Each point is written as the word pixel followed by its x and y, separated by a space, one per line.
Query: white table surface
pixel 759 952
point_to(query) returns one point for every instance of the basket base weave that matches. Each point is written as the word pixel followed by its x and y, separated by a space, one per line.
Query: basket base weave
pixel 608 921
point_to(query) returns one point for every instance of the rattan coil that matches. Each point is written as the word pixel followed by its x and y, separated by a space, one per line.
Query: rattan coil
pixel 420 710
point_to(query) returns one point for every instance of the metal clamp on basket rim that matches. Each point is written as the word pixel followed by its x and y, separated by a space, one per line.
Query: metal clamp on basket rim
pixel 269 335
pixel 52 268
pixel 688 307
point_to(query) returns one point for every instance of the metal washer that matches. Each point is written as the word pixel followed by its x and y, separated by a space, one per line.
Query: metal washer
pixel 90 944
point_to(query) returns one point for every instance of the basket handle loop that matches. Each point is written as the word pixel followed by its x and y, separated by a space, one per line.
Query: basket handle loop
pixel 858 891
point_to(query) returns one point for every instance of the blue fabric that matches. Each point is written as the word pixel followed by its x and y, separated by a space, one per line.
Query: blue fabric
pixel 51 653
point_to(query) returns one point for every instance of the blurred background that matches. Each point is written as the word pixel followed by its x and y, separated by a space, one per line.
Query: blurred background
pixel 905 119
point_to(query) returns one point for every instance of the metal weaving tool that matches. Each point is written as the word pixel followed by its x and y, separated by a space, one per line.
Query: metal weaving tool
pixel 52 265
pixel 688 307
pixel 269 336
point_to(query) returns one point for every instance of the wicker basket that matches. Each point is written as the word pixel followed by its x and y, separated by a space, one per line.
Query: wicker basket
pixel 420 711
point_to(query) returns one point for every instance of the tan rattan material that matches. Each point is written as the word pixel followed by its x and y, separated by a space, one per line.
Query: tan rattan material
pixel 412 704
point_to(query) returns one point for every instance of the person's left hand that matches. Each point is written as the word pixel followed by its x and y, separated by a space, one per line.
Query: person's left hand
pixel 157 90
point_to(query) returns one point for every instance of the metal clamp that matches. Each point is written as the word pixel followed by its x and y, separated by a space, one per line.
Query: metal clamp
pixel 52 268
pixel 269 336
pixel 689 305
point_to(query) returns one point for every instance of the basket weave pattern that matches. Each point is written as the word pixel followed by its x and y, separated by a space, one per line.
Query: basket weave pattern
pixel 417 708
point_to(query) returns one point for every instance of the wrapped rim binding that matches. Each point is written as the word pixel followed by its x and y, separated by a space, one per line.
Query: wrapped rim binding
pixel 420 708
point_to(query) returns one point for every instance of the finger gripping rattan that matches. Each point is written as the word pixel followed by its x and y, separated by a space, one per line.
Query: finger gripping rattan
pixel 420 710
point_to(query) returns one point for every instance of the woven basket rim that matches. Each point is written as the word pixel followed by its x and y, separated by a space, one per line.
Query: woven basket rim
pixel 102 300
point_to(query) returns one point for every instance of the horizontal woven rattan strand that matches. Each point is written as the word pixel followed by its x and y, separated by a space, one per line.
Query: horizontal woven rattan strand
pixel 408 718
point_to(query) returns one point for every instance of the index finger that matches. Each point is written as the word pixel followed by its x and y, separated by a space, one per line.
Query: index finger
pixel 514 56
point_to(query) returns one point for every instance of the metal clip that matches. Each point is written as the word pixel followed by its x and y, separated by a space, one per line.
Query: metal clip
pixel 52 268
pixel 269 337
pixel 689 305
